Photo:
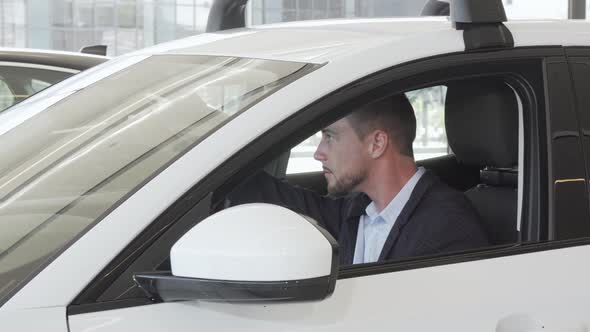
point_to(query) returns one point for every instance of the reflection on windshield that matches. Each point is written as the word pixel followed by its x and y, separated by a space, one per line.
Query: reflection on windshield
pixel 68 165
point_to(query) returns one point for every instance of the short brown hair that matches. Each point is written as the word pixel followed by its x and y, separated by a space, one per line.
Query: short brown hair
pixel 394 115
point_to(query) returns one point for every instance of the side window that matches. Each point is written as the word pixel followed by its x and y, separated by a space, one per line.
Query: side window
pixel 37 79
pixel 37 85
pixel 480 117
pixel 430 142
pixel 429 106
pixel 25 81
pixel 301 158
pixel 6 95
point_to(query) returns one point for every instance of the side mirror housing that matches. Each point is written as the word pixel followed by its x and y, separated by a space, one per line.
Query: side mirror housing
pixel 251 252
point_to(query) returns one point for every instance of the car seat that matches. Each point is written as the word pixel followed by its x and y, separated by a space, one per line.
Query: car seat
pixel 481 119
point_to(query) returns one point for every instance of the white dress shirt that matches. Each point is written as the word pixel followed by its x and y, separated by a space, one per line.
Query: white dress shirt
pixel 374 226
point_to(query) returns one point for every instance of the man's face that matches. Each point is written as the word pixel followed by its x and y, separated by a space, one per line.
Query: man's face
pixel 344 158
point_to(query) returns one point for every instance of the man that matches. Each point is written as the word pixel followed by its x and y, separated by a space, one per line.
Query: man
pixel 395 210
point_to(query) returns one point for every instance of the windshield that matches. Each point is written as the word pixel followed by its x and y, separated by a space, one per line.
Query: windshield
pixel 65 167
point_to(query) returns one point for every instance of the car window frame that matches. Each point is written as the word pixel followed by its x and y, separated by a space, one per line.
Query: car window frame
pixel 407 76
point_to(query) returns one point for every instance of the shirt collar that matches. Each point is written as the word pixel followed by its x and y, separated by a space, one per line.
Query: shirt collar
pixel 391 211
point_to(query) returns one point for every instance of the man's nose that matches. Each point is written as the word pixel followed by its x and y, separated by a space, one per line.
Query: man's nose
pixel 319 154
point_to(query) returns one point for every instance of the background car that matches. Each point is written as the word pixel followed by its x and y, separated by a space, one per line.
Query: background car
pixel 24 72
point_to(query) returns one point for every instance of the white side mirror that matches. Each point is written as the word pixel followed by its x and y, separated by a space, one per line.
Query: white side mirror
pixel 249 252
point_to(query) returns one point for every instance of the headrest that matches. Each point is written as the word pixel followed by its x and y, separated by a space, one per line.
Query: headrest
pixel 499 177
pixel 481 119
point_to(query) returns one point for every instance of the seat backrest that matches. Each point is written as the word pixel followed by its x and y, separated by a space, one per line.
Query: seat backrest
pixel 496 202
pixel 481 118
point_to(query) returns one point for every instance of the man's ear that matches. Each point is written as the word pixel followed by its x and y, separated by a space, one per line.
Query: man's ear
pixel 378 143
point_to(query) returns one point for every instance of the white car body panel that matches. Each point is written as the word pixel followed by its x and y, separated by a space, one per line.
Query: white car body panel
pixel 332 40
pixel 318 41
pixel 35 319
pixel 461 297
pixel 36 66
pixel 472 296
pixel 56 52
pixel 545 33
pixel 336 40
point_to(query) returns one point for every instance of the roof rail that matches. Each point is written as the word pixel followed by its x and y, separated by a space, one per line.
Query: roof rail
pixel 94 49
pixel 436 8
pixel 467 11
pixel 477 11
pixel 480 20
pixel 482 24
pixel 226 14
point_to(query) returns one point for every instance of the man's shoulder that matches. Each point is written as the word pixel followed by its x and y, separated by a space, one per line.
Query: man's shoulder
pixel 436 188
pixel 443 209
pixel 438 197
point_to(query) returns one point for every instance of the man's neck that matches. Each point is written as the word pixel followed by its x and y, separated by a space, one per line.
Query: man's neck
pixel 387 181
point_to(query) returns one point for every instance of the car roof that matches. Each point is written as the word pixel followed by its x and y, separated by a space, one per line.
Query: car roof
pixel 323 41
pixel 70 60
pixel 304 41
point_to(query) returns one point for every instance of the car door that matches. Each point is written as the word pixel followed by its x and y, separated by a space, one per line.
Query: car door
pixel 579 65
pixel 568 143
pixel 537 284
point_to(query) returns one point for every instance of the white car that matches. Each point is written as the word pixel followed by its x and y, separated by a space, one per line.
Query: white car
pixel 109 180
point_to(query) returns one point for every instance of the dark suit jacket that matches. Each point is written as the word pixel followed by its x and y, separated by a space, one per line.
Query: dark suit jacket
pixel 436 218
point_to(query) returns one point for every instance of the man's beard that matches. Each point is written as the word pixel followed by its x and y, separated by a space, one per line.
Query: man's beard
pixel 346 184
